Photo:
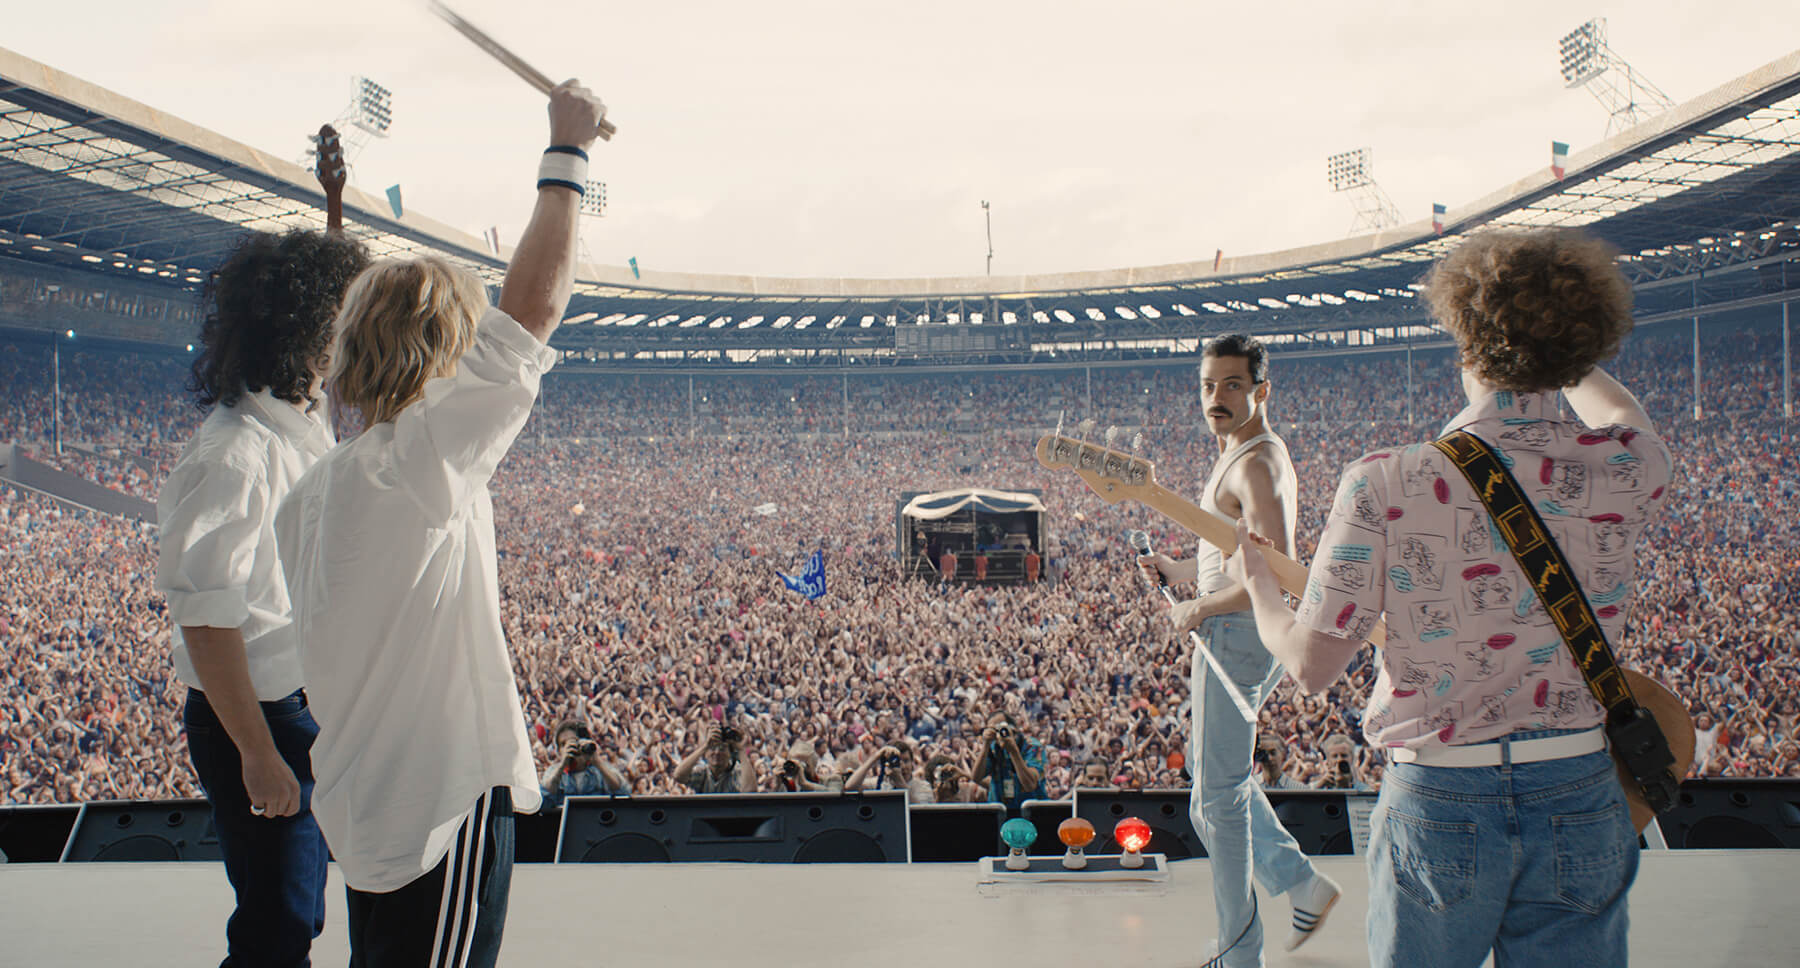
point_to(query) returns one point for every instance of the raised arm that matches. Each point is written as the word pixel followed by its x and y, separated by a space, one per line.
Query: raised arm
pixel 542 272
pixel 1599 400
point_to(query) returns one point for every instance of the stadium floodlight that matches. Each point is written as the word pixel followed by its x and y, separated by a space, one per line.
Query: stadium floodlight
pixel 1352 171
pixel 374 107
pixel 1348 169
pixel 1582 53
pixel 593 201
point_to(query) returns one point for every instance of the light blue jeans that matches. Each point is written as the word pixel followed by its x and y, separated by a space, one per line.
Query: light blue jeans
pixel 1532 860
pixel 1228 808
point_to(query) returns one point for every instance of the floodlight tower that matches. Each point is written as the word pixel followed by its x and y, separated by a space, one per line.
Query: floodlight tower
pixel 1350 171
pixel 1586 61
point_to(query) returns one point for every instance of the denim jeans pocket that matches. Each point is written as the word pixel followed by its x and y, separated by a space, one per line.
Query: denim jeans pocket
pixel 1592 857
pixel 1434 861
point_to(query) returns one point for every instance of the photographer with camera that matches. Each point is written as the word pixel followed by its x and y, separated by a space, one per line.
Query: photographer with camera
pixel 577 769
pixel 949 782
pixel 1012 764
pixel 800 772
pixel 1341 769
pixel 725 769
pixel 1269 762
pixel 893 769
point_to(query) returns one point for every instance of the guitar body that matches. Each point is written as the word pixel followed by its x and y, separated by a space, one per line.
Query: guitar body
pixel 1671 715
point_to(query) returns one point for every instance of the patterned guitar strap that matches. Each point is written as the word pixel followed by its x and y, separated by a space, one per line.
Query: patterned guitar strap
pixel 1637 741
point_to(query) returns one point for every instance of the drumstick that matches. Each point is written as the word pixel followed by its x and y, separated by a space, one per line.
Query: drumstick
pixel 532 75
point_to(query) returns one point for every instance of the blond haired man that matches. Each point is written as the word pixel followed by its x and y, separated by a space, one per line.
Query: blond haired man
pixel 388 549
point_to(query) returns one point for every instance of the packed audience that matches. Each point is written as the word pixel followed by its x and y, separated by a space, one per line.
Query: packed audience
pixel 641 597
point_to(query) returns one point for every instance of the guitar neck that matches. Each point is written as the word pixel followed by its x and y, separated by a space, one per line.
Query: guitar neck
pixel 1222 534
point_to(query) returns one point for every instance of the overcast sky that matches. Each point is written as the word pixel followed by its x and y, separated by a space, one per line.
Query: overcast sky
pixel 807 138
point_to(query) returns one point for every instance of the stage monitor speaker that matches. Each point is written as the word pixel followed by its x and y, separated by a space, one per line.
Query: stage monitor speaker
pixel 1730 813
pixel 143 830
pixel 36 833
pixel 769 828
pixel 1318 819
pixel 1166 811
pixel 1046 816
pixel 534 836
pixel 955 831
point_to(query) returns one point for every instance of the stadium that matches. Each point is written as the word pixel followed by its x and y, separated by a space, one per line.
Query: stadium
pixel 702 434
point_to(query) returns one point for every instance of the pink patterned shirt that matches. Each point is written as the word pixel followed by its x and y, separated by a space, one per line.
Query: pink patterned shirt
pixel 1471 654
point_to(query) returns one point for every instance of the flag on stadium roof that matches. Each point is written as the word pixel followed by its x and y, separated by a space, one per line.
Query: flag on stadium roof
pixel 492 237
pixel 393 194
pixel 1559 158
pixel 634 269
pixel 811 582
pixel 1437 218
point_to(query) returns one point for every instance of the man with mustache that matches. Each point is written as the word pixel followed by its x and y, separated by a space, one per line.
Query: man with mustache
pixel 1253 479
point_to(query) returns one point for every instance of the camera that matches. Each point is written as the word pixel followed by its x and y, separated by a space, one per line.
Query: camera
pixel 790 768
pixel 731 735
pixel 1262 756
pixel 890 759
pixel 1004 732
pixel 1343 769
pixel 587 748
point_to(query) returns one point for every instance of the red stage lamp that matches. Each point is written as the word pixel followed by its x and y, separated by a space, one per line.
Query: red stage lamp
pixel 1133 836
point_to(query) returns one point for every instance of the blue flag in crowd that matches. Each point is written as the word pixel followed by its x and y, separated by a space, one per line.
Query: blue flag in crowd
pixel 811 582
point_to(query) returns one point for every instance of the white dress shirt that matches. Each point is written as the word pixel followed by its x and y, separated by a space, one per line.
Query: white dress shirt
pixel 388 548
pixel 216 559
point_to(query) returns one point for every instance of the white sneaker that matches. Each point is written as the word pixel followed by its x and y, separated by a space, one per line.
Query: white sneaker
pixel 1313 900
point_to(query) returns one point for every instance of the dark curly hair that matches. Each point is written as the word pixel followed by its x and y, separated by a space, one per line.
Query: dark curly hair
pixel 269 313
pixel 1532 310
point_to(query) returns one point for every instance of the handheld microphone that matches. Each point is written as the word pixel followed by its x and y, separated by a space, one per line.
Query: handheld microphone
pixel 1140 542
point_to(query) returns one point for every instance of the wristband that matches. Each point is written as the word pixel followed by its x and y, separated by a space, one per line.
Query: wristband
pixel 564 166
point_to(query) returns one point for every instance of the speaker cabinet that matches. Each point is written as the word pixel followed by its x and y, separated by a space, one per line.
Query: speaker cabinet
pixel 955 831
pixel 1317 819
pixel 1046 816
pixel 36 833
pixel 143 830
pixel 534 836
pixel 1166 811
pixel 1728 813
pixel 769 828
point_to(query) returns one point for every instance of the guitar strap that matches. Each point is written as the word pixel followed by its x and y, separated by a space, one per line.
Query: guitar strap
pixel 1637 741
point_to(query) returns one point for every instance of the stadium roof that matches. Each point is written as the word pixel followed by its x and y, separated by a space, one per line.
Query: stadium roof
pixel 96 181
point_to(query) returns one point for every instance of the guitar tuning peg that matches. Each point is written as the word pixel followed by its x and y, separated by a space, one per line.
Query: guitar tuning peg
pixel 1112 434
pixel 1059 422
pixel 1137 440
pixel 1084 428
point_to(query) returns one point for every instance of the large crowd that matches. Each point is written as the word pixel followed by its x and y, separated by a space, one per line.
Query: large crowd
pixel 640 591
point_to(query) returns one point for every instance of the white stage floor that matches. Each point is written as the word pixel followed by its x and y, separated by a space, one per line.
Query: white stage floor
pixel 1690 908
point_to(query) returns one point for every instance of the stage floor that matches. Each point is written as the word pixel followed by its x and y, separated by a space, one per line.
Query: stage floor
pixel 1689 908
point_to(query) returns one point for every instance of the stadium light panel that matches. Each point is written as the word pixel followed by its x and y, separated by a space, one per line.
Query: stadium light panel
pixel 1582 53
pixel 374 107
pixel 92 258
pixel 593 202
pixel 1348 169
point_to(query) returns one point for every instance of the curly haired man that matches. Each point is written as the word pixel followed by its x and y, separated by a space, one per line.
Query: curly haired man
pixel 1501 825
pixel 266 345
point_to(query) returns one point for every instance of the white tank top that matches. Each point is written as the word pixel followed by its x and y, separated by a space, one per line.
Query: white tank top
pixel 1211 570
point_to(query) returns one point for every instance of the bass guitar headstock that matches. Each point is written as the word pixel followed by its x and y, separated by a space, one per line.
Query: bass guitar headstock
pixel 1113 474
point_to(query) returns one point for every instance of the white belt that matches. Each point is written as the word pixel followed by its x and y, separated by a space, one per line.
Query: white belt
pixel 1495 754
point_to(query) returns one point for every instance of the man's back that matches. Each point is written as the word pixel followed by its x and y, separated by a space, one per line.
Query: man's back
pixel 1471 653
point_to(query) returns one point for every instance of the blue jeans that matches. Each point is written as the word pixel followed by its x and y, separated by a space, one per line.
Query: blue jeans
pixel 275 864
pixel 1532 860
pixel 1228 808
